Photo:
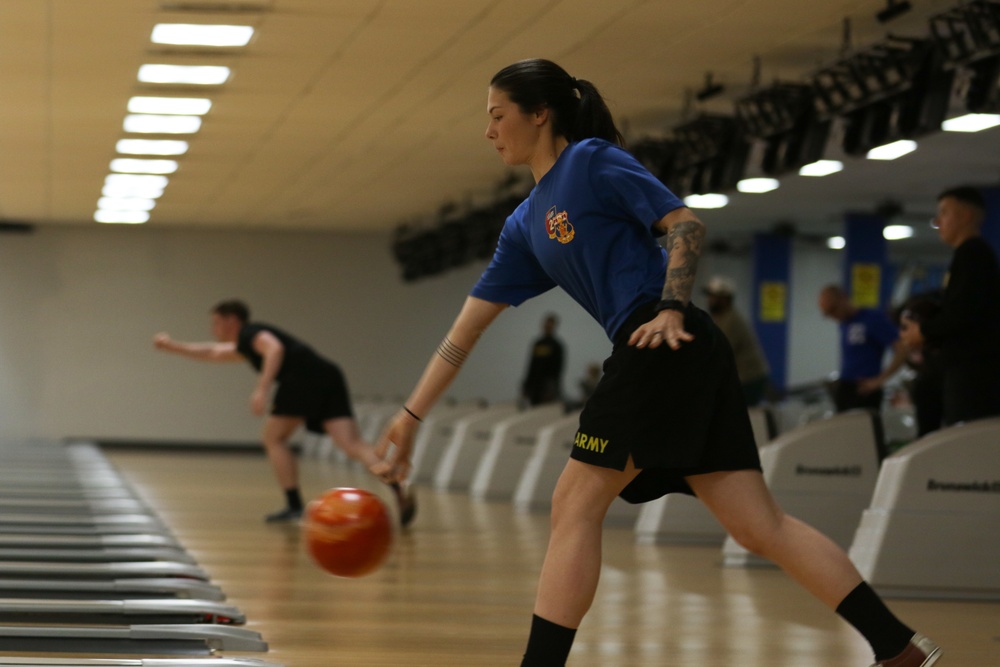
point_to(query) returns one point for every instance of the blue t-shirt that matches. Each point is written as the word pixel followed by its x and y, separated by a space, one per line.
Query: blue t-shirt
pixel 586 227
pixel 863 341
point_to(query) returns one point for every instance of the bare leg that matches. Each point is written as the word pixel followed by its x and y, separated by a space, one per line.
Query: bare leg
pixel 277 430
pixel 573 560
pixel 345 434
pixel 744 506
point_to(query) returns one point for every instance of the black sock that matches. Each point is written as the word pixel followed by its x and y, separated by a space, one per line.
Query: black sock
pixel 294 499
pixel 548 644
pixel 864 609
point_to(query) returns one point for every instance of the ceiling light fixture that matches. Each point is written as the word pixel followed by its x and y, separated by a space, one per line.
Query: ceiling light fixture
pixel 126 203
pixel 710 200
pixel 710 89
pixel 821 168
pixel 202 75
pixel 151 146
pixel 757 185
pixel 184 106
pixel 836 243
pixel 137 180
pixel 129 165
pixel 119 191
pixel 893 9
pixel 149 124
pixel 972 122
pixel 897 232
pixel 188 34
pixel 121 217
pixel 892 151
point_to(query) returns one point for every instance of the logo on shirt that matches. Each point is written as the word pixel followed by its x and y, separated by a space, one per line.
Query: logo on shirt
pixel 558 226
pixel 589 442
pixel 856 334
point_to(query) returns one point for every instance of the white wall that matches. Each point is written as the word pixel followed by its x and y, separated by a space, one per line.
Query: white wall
pixel 79 306
pixel 813 345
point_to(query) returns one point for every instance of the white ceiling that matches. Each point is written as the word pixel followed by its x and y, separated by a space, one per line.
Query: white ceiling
pixel 363 114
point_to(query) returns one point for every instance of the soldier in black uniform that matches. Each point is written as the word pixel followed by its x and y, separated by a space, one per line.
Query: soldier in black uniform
pixel 967 327
pixel 543 381
pixel 311 390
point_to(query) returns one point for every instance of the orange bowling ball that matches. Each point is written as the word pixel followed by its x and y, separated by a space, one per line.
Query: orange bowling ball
pixel 348 532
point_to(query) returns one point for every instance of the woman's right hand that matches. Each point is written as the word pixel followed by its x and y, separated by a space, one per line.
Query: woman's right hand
pixel 393 448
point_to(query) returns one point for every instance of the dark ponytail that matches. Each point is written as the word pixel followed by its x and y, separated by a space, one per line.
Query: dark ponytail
pixel 577 108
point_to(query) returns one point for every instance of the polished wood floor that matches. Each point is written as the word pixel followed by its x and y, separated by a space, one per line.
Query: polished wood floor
pixel 458 587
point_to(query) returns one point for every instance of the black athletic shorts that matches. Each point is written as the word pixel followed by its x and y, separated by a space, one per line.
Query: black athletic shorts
pixel 675 412
pixel 317 395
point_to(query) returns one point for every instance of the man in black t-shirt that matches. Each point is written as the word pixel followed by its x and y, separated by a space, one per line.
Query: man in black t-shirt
pixel 967 328
pixel 543 381
pixel 310 390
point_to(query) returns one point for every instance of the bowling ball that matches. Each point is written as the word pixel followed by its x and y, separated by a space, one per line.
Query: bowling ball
pixel 348 532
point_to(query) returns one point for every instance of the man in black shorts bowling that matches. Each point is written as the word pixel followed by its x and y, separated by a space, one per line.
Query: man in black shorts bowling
pixel 311 390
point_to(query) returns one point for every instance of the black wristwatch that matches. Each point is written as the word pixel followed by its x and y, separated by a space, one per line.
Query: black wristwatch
pixel 670 304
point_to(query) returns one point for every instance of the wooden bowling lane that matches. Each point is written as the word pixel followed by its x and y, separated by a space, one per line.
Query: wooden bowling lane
pixel 458 587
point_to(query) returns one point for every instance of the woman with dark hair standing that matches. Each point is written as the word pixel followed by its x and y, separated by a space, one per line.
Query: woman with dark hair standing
pixel 926 359
pixel 668 415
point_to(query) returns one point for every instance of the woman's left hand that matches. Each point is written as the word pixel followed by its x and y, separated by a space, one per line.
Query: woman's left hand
pixel 667 327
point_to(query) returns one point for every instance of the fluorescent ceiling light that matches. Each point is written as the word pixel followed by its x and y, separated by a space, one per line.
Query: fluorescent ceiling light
pixel 137 180
pixel 130 165
pixel 757 185
pixel 126 204
pixel 205 75
pixel 149 124
pixel 892 151
pixel 151 146
pixel 896 232
pixel 186 106
pixel 130 191
pixel 187 34
pixel 124 217
pixel 710 200
pixel 973 122
pixel 821 168
pixel 836 243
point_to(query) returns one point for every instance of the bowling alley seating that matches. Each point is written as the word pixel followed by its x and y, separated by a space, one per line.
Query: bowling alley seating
pixel 547 460
pixel 86 567
pixel 803 405
pixel 506 454
pixel 823 473
pixel 899 425
pixel 376 418
pixel 930 530
pixel 468 441
pixel 553 444
pixel 681 519
pixel 434 435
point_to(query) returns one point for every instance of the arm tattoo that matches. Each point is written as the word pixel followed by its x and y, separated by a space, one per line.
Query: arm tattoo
pixel 683 249
pixel 452 353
